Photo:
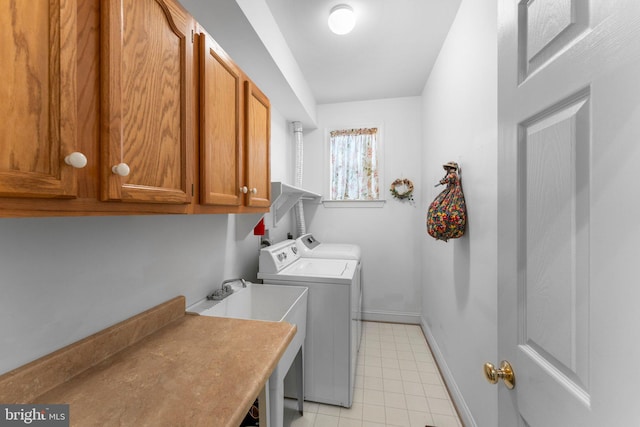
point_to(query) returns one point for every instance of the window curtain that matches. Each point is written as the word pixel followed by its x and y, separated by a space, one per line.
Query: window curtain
pixel 354 164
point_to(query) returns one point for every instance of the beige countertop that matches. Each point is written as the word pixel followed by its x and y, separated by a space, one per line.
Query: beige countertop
pixel 191 371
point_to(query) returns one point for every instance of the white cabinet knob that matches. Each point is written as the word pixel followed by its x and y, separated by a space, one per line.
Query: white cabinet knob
pixel 121 169
pixel 76 160
pixel 244 189
pixel 254 190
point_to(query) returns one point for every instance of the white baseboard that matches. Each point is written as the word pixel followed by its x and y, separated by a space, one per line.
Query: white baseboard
pixel 392 317
pixel 454 391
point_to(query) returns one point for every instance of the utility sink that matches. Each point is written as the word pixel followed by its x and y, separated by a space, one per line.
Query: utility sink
pixel 272 303
pixel 258 302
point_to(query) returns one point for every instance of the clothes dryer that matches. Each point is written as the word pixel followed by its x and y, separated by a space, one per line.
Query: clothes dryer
pixel 310 247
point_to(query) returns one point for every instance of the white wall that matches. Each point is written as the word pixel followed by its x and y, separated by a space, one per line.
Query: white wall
pixel 388 236
pixel 282 169
pixel 65 278
pixel 459 277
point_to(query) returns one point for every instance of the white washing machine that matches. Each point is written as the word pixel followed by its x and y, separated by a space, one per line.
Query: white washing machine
pixel 333 323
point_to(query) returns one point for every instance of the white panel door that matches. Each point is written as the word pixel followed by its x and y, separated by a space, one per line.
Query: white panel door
pixel 569 211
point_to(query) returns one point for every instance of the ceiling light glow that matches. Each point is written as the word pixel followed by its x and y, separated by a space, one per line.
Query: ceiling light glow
pixel 342 19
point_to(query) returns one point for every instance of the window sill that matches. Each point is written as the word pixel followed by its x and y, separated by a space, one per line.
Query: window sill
pixel 353 203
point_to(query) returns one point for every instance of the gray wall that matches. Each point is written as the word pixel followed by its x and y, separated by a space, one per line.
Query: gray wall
pixel 62 279
pixel 388 235
pixel 459 277
pixel 65 278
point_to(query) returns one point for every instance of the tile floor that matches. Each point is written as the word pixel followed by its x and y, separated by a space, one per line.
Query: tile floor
pixel 397 384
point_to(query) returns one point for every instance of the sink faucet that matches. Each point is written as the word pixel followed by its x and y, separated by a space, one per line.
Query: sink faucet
pixel 225 290
pixel 244 283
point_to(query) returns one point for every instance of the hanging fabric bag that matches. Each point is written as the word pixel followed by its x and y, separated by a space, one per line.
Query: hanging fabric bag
pixel 447 215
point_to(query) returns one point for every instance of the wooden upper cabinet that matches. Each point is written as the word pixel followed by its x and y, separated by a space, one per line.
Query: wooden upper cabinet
pixel 257 146
pixel 220 126
pixel 146 114
pixel 234 134
pixel 125 83
pixel 37 98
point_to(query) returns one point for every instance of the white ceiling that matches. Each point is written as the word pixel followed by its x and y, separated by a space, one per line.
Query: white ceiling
pixel 389 53
pixel 287 49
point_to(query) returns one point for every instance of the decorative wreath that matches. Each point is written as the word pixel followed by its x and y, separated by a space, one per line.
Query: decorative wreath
pixel 402 189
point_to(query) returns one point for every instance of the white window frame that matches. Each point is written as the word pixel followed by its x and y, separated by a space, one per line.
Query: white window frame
pixel 327 168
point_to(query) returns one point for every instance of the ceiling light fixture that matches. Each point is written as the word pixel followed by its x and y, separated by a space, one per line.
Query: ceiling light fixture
pixel 342 19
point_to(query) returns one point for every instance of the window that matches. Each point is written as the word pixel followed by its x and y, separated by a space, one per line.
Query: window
pixel 354 164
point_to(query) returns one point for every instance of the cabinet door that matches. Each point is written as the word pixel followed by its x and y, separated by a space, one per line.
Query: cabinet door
pixel 257 151
pixel 220 130
pixel 146 73
pixel 37 98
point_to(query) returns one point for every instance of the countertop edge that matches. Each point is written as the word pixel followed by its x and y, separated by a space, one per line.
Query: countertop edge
pixel 26 382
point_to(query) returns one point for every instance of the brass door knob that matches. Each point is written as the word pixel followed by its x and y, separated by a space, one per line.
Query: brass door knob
pixel 505 373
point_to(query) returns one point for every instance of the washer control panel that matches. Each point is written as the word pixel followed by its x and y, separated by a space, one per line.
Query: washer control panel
pixel 276 257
